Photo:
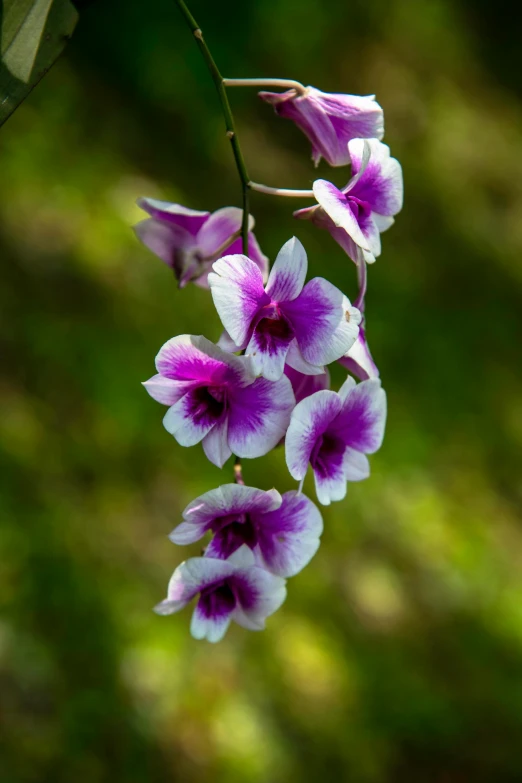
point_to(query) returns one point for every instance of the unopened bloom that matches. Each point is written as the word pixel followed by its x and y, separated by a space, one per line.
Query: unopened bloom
pixel 358 360
pixel 234 589
pixel 214 397
pixel 189 241
pixel 357 215
pixel 306 326
pixel 330 120
pixel 283 532
pixel 333 432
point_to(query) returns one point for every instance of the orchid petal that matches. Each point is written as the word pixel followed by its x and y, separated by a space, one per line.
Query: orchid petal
pixel 336 206
pixel 191 220
pixel 288 273
pixel 355 464
pixel 289 535
pixel 305 385
pixel 268 347
pixel 215 444
pixel 325 324
pixel 362 419
pixel 310 419
pixel 237 290
pixel 259 416
pixel 380 182
pixel 165 241
pixel 220 227
pixel 295 360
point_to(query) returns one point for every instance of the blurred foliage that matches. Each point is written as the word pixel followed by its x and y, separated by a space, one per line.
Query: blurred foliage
pixel 33 35
pixel 398 654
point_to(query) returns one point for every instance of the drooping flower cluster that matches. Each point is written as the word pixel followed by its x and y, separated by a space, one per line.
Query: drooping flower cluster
pixel 266 382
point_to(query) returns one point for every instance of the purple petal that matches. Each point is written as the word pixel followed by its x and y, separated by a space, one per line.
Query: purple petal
pixel 190 578
pixel 305 385
pixel 194 358
pixel 192 417
pixel 259 416
pixel 259 594
pixel 311 120
pixel 359 360
pixel 288 273
pixel 362 419
pixel 310 420
pixel 191 220
pixel 352 116
pixel 269 345
pixel 288 537
pixel 325 324
pixel 336 206
pixel 237 290
pixel 330 481
pixel 381 184
pixel 169 242
pixel 216 507
pixel 219 228
pixel 306 213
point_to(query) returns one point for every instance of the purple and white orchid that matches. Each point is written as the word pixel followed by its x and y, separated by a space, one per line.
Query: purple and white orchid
pixel 330 120
pixel 234 589
pixel 357 215
pixel 282 532
pixel 215 397
pixel 306 326
pixel 189 241
pixel 333 432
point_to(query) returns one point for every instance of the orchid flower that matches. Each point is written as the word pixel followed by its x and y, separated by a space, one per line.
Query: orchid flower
pixel 357 215
pixel 333 432
pixel 234 589
pixel 283 532
pixel 306 326
pixel 189 241
pixel 330 120
pixel 215 397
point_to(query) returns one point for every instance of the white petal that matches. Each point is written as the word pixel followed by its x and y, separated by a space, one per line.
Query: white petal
pixel 237 289
pixel 288 273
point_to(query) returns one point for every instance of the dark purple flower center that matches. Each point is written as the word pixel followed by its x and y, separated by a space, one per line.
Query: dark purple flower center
pixel 207 401
pixel 327 455
pixel 217 600
pixel 272 328
pixel 360 209
pixel 232 531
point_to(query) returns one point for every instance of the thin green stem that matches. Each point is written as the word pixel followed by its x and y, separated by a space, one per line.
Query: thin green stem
pixel 227 115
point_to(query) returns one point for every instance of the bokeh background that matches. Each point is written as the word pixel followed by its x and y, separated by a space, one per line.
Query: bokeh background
pixel 398 654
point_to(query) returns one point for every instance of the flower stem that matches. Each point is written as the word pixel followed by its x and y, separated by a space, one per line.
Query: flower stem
pixel 238 473
pixel 285 84
pixel 362 277
pixel 227 115
pixel 281 191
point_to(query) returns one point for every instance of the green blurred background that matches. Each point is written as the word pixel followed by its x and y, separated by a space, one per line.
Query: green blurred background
pixel 398 654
